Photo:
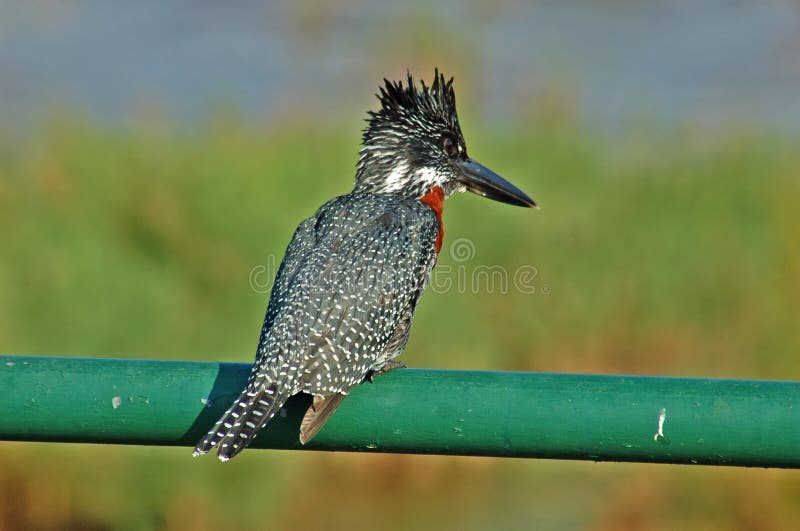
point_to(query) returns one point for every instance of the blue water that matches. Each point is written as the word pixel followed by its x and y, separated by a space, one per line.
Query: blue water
pixel 678 60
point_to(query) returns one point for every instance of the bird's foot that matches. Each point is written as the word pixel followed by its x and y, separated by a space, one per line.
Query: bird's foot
pixel 388 366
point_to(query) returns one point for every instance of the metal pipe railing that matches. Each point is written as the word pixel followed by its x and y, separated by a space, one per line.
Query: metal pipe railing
pixel 561 416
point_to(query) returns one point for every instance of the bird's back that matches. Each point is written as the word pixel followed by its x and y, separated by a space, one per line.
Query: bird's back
pixel 351 274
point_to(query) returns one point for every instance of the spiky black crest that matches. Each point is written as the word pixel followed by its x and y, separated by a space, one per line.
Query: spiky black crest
pixel 403 141
pixel 399 102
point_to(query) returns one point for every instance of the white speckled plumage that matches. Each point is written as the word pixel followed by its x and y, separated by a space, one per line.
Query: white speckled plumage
pixel 346 290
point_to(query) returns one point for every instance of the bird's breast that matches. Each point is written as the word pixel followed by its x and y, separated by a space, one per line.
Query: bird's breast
pixel 435 200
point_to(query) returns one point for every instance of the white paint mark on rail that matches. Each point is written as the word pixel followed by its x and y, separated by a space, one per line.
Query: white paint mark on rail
pixel 662 416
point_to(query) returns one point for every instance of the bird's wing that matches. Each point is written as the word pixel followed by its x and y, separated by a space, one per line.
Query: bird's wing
pixel 362 276
pixel 297 252
pixel 351 274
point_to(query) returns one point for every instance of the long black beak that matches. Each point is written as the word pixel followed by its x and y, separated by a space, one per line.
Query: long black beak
pixel 482 181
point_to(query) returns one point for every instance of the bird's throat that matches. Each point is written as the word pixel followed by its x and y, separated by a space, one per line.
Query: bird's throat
pixel 435 200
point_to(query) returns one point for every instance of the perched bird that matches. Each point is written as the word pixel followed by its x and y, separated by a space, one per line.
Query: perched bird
pixel 344 297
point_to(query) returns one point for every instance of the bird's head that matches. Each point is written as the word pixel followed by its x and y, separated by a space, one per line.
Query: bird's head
pixel 413 143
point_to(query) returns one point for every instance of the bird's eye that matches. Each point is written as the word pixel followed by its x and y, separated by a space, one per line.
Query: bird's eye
pixel 450 146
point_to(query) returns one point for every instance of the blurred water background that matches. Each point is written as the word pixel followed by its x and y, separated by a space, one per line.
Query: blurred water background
pixel 716 61
pixel 154 157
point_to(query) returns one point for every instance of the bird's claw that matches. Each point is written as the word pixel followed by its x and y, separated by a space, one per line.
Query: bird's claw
pixel 389 366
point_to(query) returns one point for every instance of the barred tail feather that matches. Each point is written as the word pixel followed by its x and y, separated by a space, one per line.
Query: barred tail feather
pixel 241 423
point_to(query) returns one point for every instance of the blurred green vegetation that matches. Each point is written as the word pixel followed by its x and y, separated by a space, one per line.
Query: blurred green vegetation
pixel 659 251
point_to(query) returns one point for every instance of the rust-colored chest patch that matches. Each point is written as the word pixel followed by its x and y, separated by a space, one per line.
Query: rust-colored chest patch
pixel 435 200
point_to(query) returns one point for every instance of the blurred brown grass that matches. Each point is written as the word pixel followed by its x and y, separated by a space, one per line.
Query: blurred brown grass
pixel 661 252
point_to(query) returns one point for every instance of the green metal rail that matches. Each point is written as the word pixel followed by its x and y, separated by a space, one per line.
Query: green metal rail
pixel 560 416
